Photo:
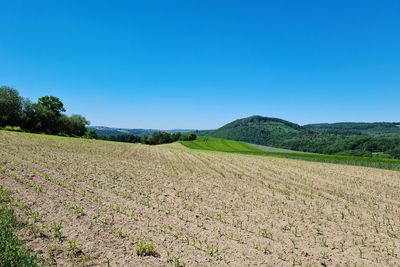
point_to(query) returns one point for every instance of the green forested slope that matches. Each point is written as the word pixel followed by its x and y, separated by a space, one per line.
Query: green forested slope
pixel 357 139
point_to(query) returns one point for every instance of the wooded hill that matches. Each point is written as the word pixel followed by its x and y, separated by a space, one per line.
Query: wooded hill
pixel 362 139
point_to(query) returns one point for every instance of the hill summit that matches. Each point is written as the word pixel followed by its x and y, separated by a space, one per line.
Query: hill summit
pixel 258 130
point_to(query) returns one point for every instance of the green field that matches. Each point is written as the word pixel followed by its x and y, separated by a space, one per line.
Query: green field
pixel 275 149
pixel 220 144
pixel 224 145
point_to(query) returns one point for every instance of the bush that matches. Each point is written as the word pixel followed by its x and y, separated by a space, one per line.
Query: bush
pixel 395 153
pixel 12 128
pixel 188 137
pixel 91 134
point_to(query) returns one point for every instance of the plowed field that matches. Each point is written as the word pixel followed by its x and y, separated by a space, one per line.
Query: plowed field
pixel 88 202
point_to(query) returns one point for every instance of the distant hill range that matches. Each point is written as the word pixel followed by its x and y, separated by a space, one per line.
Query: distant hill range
pixel 109 131
pixel 380 139
pixel 357 128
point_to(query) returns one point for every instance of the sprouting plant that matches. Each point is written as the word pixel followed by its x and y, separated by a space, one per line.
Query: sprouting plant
pixel 126 195
pixel 74 247
pixel 175 261
pixel 263 248
pixel 145 249
pixel 200 224
pixel 324 242
pixel 237 223
pixel 145 202
pixel 167 211
pixel 119 232
pixel 264 232
pixel 45 226
pixel 76 208
pixel 182 216
pixel 391 251
pixel 226 260
pixel 296 261
pixel 282 256
pixel 36 217
pixel 212 250
pixel 57 230
pixel 38 188
pixel 187 207
pixel 324 255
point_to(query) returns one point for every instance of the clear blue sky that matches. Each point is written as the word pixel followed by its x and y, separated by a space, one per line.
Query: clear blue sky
pixel 200 64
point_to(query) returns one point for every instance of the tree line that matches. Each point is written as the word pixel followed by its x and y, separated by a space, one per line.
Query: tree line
pixel 156 138
pixel 45 116
pixel 354 145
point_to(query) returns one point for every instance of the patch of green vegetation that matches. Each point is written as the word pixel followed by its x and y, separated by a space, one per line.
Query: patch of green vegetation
pixel 76 208
pixel 223 145
pixel 12 128
pixel 12 250
pixel 275 149
pixel 219 144
pixel 264 232
pixel 57 231
pixel 175 261
pixel 382 163
pixel 74 247
pixel 145 248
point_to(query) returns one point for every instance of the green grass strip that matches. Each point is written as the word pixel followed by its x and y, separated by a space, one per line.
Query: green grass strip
pixel 12 250
pixel 224 145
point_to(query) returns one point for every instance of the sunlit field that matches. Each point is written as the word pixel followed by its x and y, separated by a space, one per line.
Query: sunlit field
pixel 87 202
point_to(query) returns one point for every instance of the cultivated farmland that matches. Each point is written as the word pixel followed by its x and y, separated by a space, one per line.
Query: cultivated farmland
pixel 90 202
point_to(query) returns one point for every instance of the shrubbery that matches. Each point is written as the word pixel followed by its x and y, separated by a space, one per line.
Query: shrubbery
pixel 12 128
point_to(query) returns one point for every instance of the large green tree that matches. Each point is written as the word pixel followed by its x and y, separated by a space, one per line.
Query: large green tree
pixel 52 103
pixel 10 106
pixel 76 125
pixel 28 116
pixel 48 115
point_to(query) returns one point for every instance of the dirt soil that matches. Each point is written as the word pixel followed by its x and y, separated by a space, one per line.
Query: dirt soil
pixel 198 208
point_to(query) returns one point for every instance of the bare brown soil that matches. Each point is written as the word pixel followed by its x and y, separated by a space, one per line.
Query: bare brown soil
pixel 197 208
